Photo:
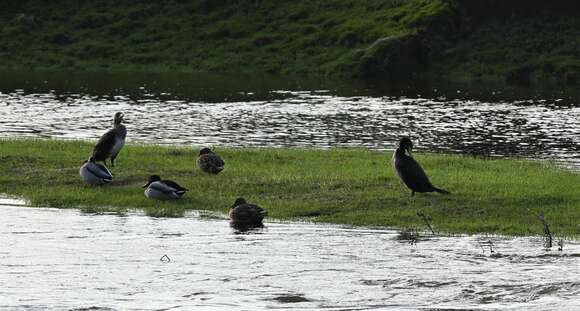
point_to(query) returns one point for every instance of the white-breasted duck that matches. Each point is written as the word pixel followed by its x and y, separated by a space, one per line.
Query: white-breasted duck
pixel 164 190
pixel 244 215
pixel 210 162
pixel 409 170
pixel 94 173
pixel 111 143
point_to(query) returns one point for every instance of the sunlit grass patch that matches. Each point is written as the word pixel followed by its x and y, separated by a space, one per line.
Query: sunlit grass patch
pixel 347 186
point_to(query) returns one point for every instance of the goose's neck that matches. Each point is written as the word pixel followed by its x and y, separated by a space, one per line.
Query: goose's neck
pixel 120 129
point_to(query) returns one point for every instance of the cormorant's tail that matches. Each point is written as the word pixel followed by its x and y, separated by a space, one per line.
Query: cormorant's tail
pixel 442 191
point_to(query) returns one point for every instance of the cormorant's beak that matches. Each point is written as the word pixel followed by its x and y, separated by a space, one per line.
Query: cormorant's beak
pixel 409 151
pixel 146 185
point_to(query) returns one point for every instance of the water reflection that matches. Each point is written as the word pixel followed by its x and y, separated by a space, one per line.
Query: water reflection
pixel 117 262
pixel 532 128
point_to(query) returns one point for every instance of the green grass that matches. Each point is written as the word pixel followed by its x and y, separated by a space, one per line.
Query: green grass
pixel 202 35
pixel 346 186
pixel 461 40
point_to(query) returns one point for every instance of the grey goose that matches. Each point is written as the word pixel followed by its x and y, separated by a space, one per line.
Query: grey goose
pixel 111 143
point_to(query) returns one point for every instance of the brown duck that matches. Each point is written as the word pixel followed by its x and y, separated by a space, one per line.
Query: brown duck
pixel 246 215
pixel 210 162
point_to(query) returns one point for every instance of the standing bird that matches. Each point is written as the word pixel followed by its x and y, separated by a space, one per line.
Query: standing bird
pixel 163 189
pixel 410 171
pixel 111 143
pixel 94 173
pixel 210 162
pixel 244 215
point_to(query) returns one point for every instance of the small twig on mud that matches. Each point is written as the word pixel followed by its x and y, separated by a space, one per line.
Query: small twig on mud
pixel 165 258
pixel 427 221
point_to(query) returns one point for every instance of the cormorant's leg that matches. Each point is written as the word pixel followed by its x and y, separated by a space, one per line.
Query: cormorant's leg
pixel 112 161
pixel 412 193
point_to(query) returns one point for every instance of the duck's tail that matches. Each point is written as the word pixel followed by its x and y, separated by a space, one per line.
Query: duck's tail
pixel 442 191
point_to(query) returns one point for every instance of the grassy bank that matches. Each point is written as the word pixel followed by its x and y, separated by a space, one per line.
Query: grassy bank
pixel 517 41
pixel 348 186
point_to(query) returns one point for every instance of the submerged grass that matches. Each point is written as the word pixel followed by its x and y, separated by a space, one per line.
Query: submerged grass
pixel 347 186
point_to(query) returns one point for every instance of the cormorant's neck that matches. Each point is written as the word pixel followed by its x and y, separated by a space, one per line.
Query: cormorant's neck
pixel 400 152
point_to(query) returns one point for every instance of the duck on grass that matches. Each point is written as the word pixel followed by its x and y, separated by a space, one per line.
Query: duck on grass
pixel 347 186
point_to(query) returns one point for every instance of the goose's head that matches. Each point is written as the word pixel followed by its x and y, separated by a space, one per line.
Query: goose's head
pixel 205 151
pixel 152 179
pixel 118 117
pixel 406 144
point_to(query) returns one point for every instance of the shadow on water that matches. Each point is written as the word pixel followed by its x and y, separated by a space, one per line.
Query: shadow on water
pixel 208 87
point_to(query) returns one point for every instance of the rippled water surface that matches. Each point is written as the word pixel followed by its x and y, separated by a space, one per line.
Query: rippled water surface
pixel 64 260
pixel 244 113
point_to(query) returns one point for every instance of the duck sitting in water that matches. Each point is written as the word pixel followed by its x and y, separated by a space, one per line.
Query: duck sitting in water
pixel 94 173
pixel 111 143
pixel 163 189
pixel 210 162
pixel 244 215
pixel 410 172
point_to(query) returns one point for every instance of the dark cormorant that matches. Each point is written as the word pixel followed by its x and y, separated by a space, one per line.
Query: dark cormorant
pixel 410 171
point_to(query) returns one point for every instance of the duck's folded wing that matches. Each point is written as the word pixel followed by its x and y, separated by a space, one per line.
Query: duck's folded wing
pixel 217 161
pixel 99 170
pixel 162 187
pixel 174 185
pixel 104 145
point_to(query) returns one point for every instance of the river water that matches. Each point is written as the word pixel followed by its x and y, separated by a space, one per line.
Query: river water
pixel 242 112
pixel 55 259
pixel 66 260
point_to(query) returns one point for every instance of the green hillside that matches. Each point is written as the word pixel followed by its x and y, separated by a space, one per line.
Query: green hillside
pixel 521 41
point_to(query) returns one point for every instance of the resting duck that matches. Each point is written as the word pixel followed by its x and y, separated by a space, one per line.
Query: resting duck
pixel 410 171
pixel 163 189
pixel 111 143
pixel 246 215
pixel 94 173
pixel 210 162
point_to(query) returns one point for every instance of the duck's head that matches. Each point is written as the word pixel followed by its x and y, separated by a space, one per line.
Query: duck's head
pixel 152 179
pixel 239 201
pixel 205 151
pixel 406 144
pixel 118 117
